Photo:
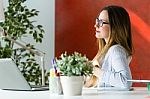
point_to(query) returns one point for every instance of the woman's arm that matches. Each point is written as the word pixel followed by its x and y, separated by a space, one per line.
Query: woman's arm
pixel 117 72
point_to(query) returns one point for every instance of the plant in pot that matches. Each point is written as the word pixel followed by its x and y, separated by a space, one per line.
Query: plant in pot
pixel 73 68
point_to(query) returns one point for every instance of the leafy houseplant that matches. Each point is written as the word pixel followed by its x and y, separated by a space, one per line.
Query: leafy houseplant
pixel 19 24
pixel 73 68
pixel 74 65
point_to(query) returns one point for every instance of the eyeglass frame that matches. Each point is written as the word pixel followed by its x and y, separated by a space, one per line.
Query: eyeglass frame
pixel 99 23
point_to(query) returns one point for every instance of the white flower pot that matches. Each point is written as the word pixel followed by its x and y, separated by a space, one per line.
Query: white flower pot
pixel 72 85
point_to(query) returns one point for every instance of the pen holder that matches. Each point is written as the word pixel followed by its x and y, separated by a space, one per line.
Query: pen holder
pixel 55 85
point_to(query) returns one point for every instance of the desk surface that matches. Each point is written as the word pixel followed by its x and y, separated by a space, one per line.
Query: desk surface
pixel 137 93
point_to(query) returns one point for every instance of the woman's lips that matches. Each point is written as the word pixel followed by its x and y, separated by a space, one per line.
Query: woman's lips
pixel 97 31
pixel 97 34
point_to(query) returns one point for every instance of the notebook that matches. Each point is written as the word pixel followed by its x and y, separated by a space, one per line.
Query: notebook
pixel 12 79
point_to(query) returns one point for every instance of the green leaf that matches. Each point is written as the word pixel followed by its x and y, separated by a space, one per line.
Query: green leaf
pixel 41 35
pixel 35 35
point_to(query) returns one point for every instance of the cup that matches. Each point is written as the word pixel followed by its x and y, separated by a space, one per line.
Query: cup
pixel 55 85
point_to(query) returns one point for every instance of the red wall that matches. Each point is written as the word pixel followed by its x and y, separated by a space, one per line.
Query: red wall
pixel 74 30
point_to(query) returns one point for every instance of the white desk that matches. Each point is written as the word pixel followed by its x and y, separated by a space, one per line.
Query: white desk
pixel 137 93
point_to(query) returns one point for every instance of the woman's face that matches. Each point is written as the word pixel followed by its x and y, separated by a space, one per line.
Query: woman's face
pixel 102 26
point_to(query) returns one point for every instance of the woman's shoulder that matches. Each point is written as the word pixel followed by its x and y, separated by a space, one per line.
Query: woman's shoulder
pixel 117 48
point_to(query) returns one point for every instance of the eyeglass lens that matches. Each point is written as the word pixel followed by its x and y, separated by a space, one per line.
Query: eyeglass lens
pixel 100 23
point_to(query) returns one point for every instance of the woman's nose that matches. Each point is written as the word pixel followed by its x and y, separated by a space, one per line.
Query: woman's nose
pixel 95 25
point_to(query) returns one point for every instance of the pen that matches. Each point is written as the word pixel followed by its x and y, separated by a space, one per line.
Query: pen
pixel 55 68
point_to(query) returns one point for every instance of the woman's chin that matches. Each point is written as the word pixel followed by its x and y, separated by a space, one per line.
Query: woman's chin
pixel 97 36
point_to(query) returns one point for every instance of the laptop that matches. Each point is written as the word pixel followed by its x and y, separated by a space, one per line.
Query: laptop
pixel 12 79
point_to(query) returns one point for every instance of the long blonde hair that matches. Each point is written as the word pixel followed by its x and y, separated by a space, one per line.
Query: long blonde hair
pixel 120 31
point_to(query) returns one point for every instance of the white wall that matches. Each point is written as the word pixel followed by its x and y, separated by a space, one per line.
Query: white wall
pixel 46 18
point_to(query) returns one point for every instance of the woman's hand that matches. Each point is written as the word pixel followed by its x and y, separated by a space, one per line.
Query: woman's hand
pixel 91 81
pixel 98 72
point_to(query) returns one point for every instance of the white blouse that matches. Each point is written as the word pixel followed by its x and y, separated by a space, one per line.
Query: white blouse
pixel 116 68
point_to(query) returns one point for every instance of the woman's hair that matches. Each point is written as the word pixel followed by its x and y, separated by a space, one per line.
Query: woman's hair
pixel 120 31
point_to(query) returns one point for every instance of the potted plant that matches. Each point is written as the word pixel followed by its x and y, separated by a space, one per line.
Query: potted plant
pixel 73 68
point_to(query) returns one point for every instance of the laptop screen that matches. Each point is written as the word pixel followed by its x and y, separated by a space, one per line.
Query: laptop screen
pixel 11 77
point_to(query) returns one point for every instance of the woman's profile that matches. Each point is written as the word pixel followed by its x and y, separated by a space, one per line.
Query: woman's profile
pixel 111 63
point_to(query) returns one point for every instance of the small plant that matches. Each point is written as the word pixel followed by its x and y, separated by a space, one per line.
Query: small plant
pixel 74 65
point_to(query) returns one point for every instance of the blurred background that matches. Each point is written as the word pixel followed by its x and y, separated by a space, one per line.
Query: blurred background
pixel 74 30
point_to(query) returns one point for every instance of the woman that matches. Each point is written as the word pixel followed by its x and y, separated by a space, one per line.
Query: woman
pixel 111 64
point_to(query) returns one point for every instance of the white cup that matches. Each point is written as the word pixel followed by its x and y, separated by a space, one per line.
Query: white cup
pixel 55 85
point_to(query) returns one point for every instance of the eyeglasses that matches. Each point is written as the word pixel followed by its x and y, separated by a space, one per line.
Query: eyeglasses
pixel 99 23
